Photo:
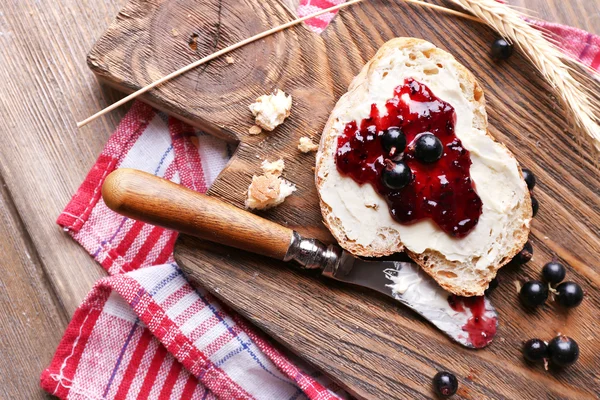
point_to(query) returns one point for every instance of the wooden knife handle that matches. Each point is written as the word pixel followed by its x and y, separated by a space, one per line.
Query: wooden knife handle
pixel 148 198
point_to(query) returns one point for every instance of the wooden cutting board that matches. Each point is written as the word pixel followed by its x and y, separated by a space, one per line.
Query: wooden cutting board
pixel 371 346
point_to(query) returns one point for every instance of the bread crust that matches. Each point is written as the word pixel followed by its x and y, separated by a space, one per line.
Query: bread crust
pixel 430 260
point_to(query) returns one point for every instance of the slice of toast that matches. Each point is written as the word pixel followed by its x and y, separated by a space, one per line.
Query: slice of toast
pixel 359 218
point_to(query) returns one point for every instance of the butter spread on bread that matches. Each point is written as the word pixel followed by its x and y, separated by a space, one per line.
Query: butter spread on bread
pixel 359 217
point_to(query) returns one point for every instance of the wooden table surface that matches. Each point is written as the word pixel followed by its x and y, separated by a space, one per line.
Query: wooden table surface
pixel 45 87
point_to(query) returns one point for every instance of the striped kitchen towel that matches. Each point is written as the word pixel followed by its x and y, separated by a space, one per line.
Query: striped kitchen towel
pixel 145 332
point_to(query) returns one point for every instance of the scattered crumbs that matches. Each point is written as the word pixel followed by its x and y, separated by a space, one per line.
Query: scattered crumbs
pixel 229 60
pixel 374 206
pixel 257 156
pixel 546 238
pixel 274 168
pixel 268 191
pixel 546 364
pixel 174 32
pixel 189 15
pixel 518 286
pixel 502 340
pixel 254 130
pixel 271 110
pixel 590 338
pixel 306 145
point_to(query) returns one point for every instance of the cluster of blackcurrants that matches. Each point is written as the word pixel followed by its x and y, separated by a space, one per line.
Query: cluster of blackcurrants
pixel 561 351
pixel 535 293
pixel 396 174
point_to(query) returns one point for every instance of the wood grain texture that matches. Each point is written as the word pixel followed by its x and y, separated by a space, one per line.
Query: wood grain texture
pixel 31 319
pixel 145 197
pixel 372 347
pixel 45 86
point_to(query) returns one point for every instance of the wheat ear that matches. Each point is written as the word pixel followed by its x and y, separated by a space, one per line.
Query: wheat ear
pixel 547 58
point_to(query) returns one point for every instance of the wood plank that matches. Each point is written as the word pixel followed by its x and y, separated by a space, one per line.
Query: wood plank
pixel 46 87
pixel 31 318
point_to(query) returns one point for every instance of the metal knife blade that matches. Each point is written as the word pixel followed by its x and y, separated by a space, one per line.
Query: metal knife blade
pixel 408 284
pixel 471 322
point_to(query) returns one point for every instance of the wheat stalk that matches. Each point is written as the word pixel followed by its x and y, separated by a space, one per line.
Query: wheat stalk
pixel 547 58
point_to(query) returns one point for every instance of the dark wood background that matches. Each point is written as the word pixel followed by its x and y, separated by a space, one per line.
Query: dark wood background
pixel 46 87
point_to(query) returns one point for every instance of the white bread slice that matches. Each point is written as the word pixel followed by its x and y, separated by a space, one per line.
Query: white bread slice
pixel 358 216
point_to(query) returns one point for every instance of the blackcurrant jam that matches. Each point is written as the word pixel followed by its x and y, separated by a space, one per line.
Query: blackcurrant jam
pixel 442 190
pixel 481 329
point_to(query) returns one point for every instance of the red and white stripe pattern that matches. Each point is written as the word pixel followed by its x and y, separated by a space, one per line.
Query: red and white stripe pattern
pixel 317 24
pixel 576 43
pixel 145 332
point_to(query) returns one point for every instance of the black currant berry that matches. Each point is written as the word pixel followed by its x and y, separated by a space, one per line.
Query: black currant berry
pixel 533 293
pixel 393 140
pixel 525 254
pixel 529 178
pixel 535 350
pixel 563 351
pixel 569 295
pixel 396 175
pixel 501 49
pixel 428 148
pixel 493 285
pixel 535 205
pixel 445 384
pixel 554 272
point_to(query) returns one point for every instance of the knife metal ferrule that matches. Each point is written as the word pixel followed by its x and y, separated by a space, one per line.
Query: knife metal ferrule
pixel 312 254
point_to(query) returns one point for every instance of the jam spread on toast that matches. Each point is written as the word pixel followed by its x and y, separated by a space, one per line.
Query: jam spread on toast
pixel 441 190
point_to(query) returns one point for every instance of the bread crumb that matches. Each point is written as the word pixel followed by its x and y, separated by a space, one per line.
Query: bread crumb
pixel 268 191
pixel 270 110
pixel 374 206
pixel 174 32
pixel 274 168
pixel 254 130
pixel 590 338
pixel 306 145
pixel 518 286
pixel 229 60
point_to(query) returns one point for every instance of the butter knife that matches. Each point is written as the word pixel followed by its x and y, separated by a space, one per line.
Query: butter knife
pixel 472 322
